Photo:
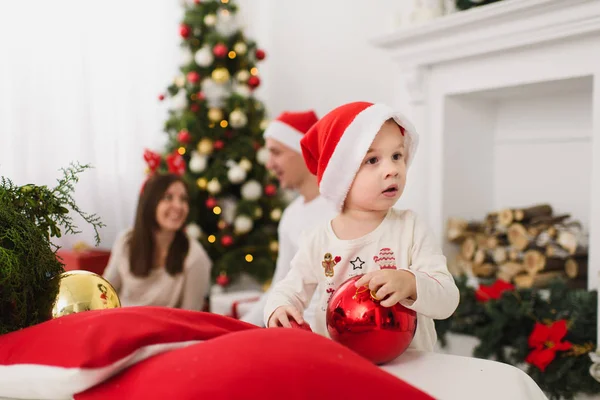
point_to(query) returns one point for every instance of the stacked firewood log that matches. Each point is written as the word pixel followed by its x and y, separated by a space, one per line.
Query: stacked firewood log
pixel 526 246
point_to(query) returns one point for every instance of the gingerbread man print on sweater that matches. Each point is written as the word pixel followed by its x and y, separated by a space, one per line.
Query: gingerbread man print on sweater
pixel 385 259
pixel 329 262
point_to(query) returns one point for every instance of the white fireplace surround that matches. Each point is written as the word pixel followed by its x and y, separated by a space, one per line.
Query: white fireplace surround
pixel 506 98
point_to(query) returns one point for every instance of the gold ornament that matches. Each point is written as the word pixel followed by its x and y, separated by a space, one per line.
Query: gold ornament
pixel 276 214
pixel 201 182
pixel 258 212
pixel 274 246
pixel 240 48
pixel 220 75
pixel 264 124
pixel 215 114
pixel 266 285
pixel 205 146
pixel 242 76
pixel 83 291
pixel 245 164
pixel 180 81
pixel 222 224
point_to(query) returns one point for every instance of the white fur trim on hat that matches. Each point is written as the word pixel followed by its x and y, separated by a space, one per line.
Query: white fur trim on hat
pixel 354 144
pixel 285 134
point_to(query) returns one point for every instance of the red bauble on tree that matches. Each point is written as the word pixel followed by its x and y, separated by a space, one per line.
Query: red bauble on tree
pixel 220 50
pixel 194 108
pixel 193 77
pixel 254 81
pixel 161 97
pixel 184 136
pixel 222 279
pixel 270 190
pixel 226 240
pixel 260 54
pixel 218 144
pixel 200 96
pixel 185 30
pixel 356 319
pixel 211 203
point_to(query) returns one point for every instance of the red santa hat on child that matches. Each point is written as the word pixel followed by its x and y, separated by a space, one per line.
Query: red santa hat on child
pixel 334 147
pixel 289 127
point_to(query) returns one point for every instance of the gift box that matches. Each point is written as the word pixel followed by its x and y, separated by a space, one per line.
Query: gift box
pixel 234 304
pixel 93 260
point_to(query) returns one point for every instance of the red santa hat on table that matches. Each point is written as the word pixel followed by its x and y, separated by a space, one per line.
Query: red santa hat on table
pixel 289 127
pixel 334 147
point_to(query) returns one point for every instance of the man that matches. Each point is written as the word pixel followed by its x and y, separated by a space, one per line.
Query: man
pixel 282 139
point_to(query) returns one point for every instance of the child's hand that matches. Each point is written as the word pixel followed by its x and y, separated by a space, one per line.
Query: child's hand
pixel 280 317
pixel 398 284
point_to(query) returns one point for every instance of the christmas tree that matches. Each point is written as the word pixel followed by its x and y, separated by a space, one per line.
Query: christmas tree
pixel 215 142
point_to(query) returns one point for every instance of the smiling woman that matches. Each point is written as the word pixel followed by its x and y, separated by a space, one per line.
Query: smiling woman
pixel 156 263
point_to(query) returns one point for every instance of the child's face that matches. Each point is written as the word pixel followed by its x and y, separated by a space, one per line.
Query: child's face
pixel 381 178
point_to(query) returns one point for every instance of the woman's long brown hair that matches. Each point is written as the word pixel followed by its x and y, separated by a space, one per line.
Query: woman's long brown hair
pixel 141 239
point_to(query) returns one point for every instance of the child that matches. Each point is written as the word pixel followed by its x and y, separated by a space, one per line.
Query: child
pixel 360 153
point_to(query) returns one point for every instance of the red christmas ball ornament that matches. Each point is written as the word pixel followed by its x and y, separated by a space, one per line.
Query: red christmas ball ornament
pixel 270 190
pixel 193 77
pixel 184 136
pixel 254 81
pixel 256 145
pixel 161 97
pixel 356 319
pixel 196 1
pixel 222 279
pixel 218 144
pixel 200 96
pixel 211 202
pixel 260 54
pixel 185 30
pixel 226 240
pixel 194 108
pixel 220 50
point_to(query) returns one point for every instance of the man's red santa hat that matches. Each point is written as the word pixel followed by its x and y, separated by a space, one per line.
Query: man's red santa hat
pixel 289 127
pixel 334 147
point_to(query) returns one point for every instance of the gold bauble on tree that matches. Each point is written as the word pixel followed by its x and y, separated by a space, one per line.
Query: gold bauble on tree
pixel 205 146
pixel 83 291
pixel 220 75
pixel 274 246
pixel 215 114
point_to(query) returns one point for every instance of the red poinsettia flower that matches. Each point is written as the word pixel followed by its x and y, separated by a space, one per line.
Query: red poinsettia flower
pixel 152 159
pixel 176 163
pixel 546 341
pixel 494 291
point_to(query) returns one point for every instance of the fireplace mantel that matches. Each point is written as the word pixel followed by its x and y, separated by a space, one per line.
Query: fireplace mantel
pixel 505 25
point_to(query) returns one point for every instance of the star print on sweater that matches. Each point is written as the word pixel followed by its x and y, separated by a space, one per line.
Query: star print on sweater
pixel 357 263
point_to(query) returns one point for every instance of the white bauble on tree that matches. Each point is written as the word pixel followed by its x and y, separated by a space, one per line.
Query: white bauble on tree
pixel 213 186
pixel 210 20
pixel 236 174
pixel 197 162
pixel 262 155
pixel 242 76
pixel 204 57
pixel 226 24
pixel 186 56
pixel 251 190
pixel 242 90
pixel 193 230
pixel 215 93
pixel 240 48
pixel 179 101
pixel 242 224
pixel 228 207
pixel 237 119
